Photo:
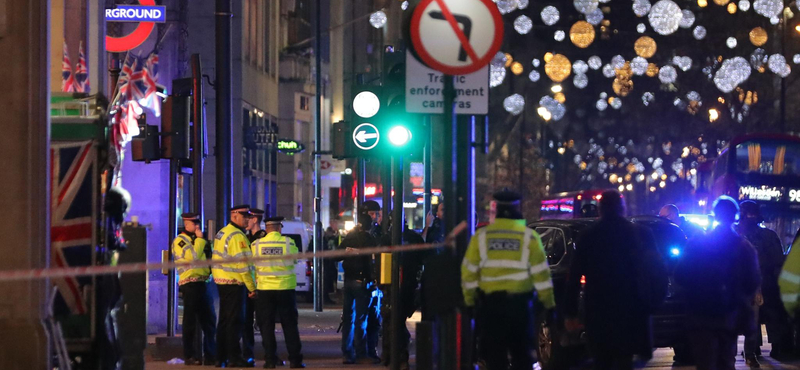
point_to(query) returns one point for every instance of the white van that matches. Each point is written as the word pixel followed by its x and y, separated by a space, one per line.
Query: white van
pixel 301 233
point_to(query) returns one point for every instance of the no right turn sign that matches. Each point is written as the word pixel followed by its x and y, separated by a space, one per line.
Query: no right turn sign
pixel 456 37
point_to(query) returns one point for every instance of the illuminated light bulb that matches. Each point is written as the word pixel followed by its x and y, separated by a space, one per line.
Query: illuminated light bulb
pixel 713 115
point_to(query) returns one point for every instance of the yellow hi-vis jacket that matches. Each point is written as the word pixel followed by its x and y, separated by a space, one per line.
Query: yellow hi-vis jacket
pixel 231 242
pixel 506 256
pixel 275 274
pixel 184 250
pixel 789 280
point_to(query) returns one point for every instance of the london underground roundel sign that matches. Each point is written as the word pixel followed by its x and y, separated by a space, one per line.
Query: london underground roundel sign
pixel 456 37
pixel 146 15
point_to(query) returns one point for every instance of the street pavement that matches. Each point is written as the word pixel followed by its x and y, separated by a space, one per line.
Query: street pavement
pixel 321 347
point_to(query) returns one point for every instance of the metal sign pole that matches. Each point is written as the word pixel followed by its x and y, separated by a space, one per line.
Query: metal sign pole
pixel 427 161
pixel 172 296
pixel 317 159
pixel 447 337
pixel 397 239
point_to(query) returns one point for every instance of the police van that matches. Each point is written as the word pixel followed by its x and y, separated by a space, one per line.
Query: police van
pixel 301 233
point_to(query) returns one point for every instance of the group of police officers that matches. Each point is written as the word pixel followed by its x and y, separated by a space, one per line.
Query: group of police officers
pixel 509 256
pixel 264 290
pixel 504 264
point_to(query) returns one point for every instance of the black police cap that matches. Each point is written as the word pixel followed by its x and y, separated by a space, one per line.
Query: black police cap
pixel 241 207
pixel 274 220
pixel 370 206
pixel 190 216
pixel 257 212
pixel 507 197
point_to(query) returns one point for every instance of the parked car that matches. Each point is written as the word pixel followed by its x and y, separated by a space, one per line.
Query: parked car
pixel 301 233
pixel 557 347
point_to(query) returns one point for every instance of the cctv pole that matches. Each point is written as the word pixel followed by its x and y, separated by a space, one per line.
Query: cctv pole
pixel 317 160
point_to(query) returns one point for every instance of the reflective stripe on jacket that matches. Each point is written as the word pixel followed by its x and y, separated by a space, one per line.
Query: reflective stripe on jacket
pixel 789 279
pixel 184 250
pixel 506 256
pixel 231 242
pixel 275 274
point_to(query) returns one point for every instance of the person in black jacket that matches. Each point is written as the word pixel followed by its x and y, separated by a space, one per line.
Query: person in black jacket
pixel 719 274
pixel 770 258
pixel 357 291
pixel 612 256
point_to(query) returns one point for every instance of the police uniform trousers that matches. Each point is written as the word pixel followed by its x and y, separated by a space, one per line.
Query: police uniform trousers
pixel 198 311
pixel 249 333
pixel 282 303
pixel 231 320
pixel 506 328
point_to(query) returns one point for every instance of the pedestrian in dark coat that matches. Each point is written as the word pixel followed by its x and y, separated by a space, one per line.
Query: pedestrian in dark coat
pixel 771 312
pixel 611 256
pixel 358 290
pixel 719 274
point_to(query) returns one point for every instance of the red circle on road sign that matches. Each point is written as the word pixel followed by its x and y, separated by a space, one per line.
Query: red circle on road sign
pixel 133 39
pixel 428 59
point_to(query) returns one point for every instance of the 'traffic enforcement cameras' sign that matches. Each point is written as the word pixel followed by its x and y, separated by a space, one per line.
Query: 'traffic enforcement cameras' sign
pixel 456 37
pixel 424 90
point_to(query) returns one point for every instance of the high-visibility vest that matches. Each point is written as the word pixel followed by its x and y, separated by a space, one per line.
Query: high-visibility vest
pixel 789 280
pixel 231 242
pixel 186 250
pixel 506 256
pixel 275 274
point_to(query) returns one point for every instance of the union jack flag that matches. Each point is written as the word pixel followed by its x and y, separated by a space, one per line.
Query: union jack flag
pixel 81 73
pixel 72 227
pixel 128 109
pixel 67 79
pixel 150 86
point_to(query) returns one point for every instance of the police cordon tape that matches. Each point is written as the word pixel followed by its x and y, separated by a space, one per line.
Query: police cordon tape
pixel 38 274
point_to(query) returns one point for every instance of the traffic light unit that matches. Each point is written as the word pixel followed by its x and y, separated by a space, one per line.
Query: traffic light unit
pixel 379 124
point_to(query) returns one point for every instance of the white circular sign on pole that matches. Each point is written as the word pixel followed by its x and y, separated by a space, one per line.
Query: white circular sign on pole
pixel 366 136
pixel 456 37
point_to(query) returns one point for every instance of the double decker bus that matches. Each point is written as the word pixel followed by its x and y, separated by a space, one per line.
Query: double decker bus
pixel 563 206
pixel 764 168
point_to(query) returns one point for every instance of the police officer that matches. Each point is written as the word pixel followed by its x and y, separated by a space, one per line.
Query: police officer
pixel 789 283
pixel 276 284
pixel 235 282
pixel 190 246
pixel 254 232
pixel 504 263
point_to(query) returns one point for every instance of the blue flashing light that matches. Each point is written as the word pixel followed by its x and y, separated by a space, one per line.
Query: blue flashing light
pixel 675 252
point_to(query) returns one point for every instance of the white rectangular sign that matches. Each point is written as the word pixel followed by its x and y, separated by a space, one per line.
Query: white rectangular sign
pixel 424 90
